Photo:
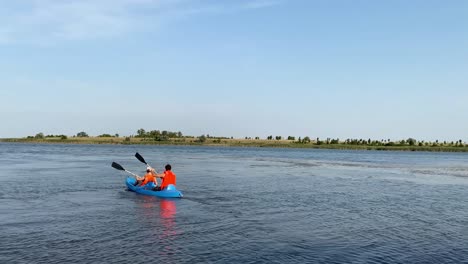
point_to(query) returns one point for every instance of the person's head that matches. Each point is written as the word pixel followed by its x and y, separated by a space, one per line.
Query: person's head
pixel 148 169
pixel 168 167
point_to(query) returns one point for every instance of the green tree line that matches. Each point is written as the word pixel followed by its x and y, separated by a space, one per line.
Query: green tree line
pixel 157 134
pixel 165 135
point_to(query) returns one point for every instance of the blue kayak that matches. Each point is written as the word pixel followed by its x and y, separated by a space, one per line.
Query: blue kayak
pixel 170 192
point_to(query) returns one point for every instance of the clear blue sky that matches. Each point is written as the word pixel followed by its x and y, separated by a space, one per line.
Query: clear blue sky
pixel 318 68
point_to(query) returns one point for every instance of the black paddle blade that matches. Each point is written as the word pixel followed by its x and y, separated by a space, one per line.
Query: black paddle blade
pixel 117 166
pixel 140 158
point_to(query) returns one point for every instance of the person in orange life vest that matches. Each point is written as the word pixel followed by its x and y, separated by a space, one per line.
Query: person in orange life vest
pixel 149 177
pixel 168 177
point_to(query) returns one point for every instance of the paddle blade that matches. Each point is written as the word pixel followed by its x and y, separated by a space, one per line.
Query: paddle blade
pixel 117 166
pixel 140 158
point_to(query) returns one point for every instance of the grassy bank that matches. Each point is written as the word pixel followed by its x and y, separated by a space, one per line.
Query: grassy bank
pixel 234 143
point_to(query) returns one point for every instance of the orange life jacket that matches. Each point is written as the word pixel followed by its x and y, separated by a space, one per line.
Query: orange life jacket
pixel 149 177
pixel 169 178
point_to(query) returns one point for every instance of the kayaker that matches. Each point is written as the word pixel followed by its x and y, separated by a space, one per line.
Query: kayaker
pixel 149 177
pixel 168 177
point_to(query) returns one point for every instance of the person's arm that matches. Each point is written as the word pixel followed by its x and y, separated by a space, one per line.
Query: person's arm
pixel 155 177
pixel 159 175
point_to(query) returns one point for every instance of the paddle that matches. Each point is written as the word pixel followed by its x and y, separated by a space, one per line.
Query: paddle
pixel 117 166
pixel 140 158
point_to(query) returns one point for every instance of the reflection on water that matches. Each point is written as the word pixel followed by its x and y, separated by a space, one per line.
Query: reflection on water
pixel 168 233
pixel 158 218
pixel 167 212
pixel 160 214
pixel 168 209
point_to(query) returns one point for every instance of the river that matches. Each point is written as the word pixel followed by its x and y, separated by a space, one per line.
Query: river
pixel 66 204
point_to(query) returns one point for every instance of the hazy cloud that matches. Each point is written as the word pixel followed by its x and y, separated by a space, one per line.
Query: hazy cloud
pixel 261 3
pixel 49 21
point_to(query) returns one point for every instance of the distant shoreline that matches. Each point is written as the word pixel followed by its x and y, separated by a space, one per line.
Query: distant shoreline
pixel 234 143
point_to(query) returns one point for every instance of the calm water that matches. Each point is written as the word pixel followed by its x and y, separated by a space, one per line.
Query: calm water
pixel 66 204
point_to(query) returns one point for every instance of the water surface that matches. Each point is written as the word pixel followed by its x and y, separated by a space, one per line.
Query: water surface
pixel 66 204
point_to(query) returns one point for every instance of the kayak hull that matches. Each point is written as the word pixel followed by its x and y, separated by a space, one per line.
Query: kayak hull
pixel 170 192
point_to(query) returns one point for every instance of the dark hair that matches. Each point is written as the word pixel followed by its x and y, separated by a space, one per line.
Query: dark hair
pixel 168 167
